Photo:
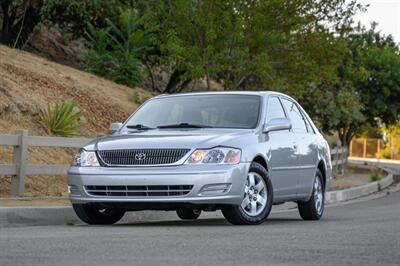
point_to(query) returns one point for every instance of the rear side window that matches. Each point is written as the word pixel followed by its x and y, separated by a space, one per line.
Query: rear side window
pixel 308 125
pixel 274 109
pixel 298 124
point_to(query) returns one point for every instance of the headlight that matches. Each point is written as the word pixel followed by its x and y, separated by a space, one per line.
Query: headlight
pixel 215 156
pixel 86 158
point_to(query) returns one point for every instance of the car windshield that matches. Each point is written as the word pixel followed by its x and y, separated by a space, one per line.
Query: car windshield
pixel 196 111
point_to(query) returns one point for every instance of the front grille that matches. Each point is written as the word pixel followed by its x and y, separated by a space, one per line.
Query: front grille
pixel 139 191
pixel 141 157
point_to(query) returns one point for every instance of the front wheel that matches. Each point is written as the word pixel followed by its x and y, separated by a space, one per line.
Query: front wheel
pixel 257 199
pixel 91 214
pixel 188 214
pixel 314 207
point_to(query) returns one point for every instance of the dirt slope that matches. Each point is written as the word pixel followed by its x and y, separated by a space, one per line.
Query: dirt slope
pixel 28 83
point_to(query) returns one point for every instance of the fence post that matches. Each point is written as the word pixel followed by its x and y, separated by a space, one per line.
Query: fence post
pixel 378 149
pixel 20 153
pixel 365 148
pixel 337 158
pixel 350 152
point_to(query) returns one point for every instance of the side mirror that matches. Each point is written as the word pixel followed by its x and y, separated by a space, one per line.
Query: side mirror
pixel 277 124
pixel 114 127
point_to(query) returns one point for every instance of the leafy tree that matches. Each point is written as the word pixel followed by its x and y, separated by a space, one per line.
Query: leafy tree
pixel 18 18
pixel 367 90
pixel 75 15
pixel 379 56
pixel 249 44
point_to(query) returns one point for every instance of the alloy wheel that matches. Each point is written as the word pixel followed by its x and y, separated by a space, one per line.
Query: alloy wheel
pixel 255 195
pixel 318 195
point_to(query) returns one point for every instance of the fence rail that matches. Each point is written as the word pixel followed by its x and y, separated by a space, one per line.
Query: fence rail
pixel 19 168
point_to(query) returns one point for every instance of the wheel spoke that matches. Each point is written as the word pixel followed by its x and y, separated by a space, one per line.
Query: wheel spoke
pixel 253 208
pixel 261 199
pixel 260 186
pixel 245 202
pixel 251 179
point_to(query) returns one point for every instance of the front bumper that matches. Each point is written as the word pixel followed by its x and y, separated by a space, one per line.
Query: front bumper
pixel 199 176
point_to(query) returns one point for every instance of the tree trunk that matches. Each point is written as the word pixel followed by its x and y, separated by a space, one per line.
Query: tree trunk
pixel 19 27
pixel 174 81
pixel 8 20
pixel 208 81
pixel 346 135
pixel 153 83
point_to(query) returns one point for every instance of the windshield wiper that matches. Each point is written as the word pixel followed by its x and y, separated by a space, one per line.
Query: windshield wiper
pixel 184 125
pixel 139 127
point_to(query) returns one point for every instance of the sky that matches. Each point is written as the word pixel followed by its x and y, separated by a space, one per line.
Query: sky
pixel 386 13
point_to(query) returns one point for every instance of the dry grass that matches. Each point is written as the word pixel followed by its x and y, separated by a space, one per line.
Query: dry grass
pixel 354 176
pixel 28 83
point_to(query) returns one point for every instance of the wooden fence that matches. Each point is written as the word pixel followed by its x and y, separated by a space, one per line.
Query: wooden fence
pixel 20 168
pixel 366 148
pixel 339 158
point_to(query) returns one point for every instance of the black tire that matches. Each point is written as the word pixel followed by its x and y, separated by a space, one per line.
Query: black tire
pixel 92 215
pixel 308 210
pixel 188 214
pixel 237 216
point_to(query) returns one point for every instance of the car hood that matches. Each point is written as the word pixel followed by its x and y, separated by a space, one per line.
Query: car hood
pixel 176 138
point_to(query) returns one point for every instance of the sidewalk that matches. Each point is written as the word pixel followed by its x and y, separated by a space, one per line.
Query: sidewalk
pixel 384 163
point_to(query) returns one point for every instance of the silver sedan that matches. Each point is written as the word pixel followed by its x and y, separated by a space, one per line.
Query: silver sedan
pixel 238 152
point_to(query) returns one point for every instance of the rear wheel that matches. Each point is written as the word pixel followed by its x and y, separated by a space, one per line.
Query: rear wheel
pixel 188 214
pixel 91 214
pixel 314 207
pixel 257 199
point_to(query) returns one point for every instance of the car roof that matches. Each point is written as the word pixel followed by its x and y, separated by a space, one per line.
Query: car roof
pixel 260 93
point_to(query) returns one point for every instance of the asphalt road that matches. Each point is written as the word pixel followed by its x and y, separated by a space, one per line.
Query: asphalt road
pixel 363 233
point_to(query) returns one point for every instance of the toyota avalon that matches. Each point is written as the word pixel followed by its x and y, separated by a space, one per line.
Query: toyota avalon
pixel 238 152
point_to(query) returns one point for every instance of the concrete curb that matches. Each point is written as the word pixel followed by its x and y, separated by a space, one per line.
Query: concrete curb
pixel 363 190
pixel 360 191
pixel 19 216
pixel 32 216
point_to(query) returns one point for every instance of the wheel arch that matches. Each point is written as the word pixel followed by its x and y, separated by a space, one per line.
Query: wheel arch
pixel 321 167
pixel 261 160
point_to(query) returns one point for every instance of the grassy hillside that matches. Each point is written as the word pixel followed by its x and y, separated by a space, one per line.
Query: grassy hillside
pixel 28 83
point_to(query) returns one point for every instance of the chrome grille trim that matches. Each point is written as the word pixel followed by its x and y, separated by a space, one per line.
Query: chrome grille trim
pixel 126 157
pixel 139 191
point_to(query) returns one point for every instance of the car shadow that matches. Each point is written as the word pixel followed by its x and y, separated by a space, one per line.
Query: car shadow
pixel 205 222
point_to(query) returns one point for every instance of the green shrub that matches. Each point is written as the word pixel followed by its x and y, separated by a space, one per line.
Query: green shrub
pixel 135 97
pixel 116 50
pixel 61 119
pixel 139 98
pixel 376 176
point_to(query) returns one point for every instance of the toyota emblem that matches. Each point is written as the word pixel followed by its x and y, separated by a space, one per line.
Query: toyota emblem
pixel 140 156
